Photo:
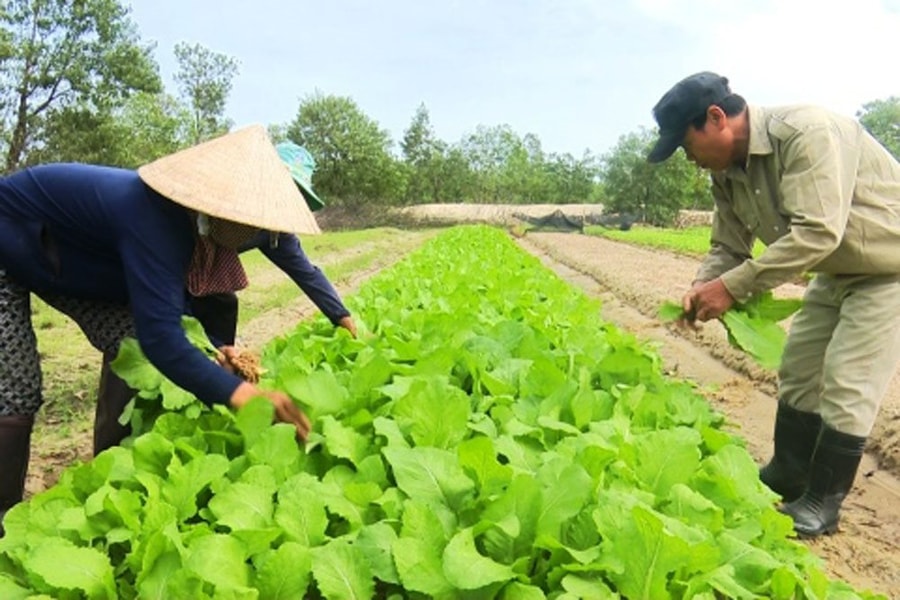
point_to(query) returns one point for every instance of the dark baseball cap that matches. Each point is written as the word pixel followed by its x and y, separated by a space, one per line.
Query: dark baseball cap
pixel 686 101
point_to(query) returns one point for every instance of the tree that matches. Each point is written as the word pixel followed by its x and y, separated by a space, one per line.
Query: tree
pixel 570 179
pixel 882 119
pixel 354 164
pixel 489 151
pixel 144 128
pixel 64 59
pixel 205 78
pixel 424 157
pixel 652 192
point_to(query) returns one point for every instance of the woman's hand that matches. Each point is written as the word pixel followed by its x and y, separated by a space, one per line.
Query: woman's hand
pixel 349 324
pixel 242 363
pixel 285 409
pixel 224 357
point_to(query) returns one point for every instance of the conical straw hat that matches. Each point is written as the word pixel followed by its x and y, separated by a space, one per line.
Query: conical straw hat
pixel 237 177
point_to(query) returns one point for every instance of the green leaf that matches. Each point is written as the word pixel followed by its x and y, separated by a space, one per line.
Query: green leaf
pixel 650 553
pixel 433 412
pixel 670 311
pixel 565 491
pixel 67 567
pixel 319 392
pixel 343 441
pixel 478 457
pixel 374 543
pixel 341 572
pixel 667 457
pixel 583 587
pixel 254 418
pixel 284 574
pixel 763 340
pixel 133 367
pixel 467 569
pixel 196 335
pixel 243 506
pixel 753 327
pixel 430 475
pixel 515 516
pixel 301 510
pixel 277 447
pixel 420 567
pixel 185 482
pixel 519 591
pixel 10 590
pixel 218 559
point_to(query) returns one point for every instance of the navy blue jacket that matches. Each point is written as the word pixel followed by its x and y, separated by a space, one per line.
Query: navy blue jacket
pixel 100 233
pixel 287 254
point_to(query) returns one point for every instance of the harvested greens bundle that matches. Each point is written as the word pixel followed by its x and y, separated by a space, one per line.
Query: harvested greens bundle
pixel 752 326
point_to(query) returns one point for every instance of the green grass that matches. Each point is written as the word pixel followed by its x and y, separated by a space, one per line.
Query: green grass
pixel 693 241
pixel 318 247
pixel 281 290
pixel 70 365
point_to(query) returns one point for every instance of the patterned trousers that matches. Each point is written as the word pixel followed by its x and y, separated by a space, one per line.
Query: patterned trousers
pixel 105 324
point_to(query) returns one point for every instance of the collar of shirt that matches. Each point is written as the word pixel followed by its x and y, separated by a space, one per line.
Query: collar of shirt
pixel 759 144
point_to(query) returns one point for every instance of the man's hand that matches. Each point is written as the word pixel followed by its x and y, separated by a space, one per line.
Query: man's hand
pixel 349 324
pixel 707 301
pixel 285 409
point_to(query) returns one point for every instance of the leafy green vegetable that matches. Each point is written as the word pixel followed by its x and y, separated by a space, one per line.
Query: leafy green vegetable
pixel 490 438
pixel 752 326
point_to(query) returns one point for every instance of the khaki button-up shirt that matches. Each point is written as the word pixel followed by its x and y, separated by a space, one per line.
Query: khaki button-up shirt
pixel 818 190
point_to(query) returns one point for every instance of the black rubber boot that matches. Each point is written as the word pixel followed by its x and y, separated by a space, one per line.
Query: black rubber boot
pixel 796 433
pixel 833 468
pixel 15 449
pixel 113 395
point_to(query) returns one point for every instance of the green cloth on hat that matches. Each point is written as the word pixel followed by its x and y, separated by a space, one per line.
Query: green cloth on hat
pixel 301 164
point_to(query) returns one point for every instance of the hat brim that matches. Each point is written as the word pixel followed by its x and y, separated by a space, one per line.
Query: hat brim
pixel 238 177
pixel 666 145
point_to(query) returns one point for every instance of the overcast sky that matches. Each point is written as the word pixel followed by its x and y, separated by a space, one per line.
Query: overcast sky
pixel 577 73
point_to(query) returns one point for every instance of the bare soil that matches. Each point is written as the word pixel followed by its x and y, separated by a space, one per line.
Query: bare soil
pixel 632 282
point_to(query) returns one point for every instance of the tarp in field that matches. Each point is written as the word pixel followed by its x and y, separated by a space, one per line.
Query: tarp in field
pixel 493 214
pixel 555 221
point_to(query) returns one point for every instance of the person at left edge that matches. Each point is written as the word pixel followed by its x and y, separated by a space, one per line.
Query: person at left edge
pixel 114 249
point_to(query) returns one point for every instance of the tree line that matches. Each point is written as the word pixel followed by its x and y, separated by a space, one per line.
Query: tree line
pixel 77 83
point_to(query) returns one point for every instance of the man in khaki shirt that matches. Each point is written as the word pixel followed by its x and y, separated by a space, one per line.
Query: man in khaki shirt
pixel 824 196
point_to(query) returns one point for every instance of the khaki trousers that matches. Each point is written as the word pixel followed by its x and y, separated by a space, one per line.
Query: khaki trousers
pixel 842 350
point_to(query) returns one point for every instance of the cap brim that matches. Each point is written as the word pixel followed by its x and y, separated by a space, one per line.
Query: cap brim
pixel 666 145
pixel 312 200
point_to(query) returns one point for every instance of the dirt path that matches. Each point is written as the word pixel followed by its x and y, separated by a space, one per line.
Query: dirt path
pixel 632 282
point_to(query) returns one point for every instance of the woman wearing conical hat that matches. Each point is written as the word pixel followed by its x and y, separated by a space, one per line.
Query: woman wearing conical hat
pixel 115 248
pixel 218 312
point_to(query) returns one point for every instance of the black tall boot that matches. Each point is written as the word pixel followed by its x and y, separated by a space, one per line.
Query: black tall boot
pixel 833 468
pixel 113 395
pixel 796 433
pixel 15 448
